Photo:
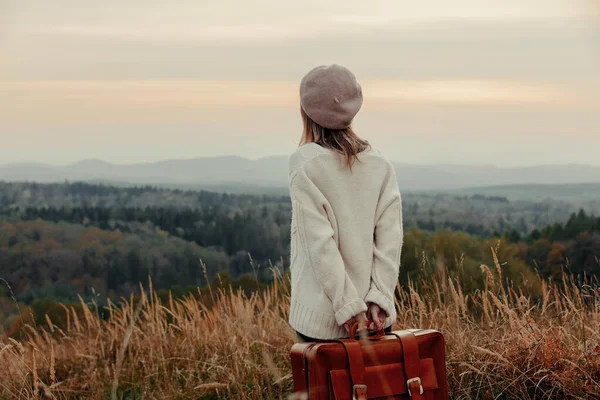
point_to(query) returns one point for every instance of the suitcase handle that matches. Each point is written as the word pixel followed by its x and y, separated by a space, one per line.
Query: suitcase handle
pixel 355 326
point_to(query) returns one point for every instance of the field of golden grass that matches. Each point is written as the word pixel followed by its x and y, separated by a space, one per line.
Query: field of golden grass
pixel 501 344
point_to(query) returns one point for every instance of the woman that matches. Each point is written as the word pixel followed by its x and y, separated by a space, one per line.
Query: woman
pixel 346 232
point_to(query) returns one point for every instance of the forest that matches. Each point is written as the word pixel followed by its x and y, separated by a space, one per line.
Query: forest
pixel 468 211
pixel 59 241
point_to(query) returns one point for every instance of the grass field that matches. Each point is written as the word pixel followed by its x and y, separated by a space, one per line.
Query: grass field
pixel 502 344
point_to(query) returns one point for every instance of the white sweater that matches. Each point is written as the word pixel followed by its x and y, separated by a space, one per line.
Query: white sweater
pixel 346 238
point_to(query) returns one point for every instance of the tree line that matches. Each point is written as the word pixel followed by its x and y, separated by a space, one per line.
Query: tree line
pixel 475 214
pixel 573 245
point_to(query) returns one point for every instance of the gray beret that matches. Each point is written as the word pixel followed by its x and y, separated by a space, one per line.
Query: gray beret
pixel 331 96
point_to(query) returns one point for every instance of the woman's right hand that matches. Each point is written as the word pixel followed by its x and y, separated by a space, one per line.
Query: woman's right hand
pixel 361 318
pixel 377 315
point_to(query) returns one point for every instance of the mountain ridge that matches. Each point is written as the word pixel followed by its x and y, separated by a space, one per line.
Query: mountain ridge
pixel 271 171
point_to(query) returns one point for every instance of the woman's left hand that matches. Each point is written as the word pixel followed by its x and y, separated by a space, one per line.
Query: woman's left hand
pixel 361 318
pixel 377 315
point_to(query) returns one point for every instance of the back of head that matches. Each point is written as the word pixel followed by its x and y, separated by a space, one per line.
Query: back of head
pixel 330 98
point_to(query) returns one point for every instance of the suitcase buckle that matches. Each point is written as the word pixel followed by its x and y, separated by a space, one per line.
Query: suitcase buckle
pixel 411 380
pixel 359 390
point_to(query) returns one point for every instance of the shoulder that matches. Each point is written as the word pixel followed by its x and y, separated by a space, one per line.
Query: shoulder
pixel 377 152
pixel 388 168
pixel 303 154
pixel 384 161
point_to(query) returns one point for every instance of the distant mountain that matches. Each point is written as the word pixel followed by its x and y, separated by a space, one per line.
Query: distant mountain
pixel 573 193
pixel 271 172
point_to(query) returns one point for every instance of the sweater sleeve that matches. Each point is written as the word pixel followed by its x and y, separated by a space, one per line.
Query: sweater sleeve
pixel 323 256
pixel 387 246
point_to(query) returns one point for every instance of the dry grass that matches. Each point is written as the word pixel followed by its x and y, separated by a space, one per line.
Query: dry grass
pixel 501 344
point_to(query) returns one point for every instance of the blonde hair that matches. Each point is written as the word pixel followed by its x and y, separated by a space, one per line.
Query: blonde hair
pixel 344 141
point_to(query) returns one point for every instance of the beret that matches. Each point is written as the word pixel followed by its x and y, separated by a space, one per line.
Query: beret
pixel 331 96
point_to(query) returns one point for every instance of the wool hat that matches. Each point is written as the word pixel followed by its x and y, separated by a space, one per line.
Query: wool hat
pixel 331 96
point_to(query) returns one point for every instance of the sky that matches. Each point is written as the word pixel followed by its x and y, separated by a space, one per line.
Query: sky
pixel 509 83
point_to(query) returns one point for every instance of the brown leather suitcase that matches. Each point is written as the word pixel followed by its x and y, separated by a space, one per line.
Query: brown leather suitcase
pixel 407 364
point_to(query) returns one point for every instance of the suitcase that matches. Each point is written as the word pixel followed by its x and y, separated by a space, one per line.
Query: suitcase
pixel 406 364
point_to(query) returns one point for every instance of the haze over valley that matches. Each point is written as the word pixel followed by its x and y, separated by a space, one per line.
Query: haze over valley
pixel 239 174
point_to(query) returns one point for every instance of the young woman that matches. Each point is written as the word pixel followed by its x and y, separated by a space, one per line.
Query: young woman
pixel 346 233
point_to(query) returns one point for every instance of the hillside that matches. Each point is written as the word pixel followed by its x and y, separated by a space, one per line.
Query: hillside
pixel 219 344
pixel 61 240
pixel 75 322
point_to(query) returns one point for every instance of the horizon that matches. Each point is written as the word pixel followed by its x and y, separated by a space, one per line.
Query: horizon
pixel 398 163
pixel 511 84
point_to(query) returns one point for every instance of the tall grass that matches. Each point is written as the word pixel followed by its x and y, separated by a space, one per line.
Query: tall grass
pixel 501 344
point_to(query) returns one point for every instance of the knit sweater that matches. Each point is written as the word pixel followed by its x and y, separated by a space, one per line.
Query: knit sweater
pixel 346 238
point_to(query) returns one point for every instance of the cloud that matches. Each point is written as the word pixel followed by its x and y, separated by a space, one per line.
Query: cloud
pixel 242 33
pixel 473 92
pixel 375 46
pixel 68 103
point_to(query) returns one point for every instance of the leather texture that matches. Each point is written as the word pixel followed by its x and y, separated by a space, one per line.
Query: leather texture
pixel 386 367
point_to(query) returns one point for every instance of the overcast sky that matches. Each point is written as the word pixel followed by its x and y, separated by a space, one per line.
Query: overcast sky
pixel 507 82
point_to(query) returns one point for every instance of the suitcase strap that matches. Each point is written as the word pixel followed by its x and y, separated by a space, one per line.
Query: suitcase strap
pixel 412 362
pixel 356 365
